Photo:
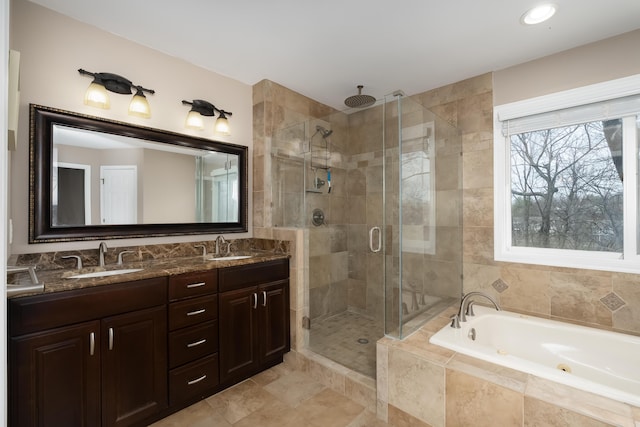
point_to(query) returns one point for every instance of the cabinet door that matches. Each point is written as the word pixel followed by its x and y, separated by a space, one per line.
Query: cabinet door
pixel 55 377
pixel 238 334
pixel 274 321
pixel 134 372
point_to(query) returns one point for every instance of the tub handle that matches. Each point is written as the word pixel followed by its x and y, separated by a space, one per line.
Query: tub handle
pixel 455 321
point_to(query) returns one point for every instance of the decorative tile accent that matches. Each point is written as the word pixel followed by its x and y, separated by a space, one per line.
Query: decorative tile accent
pixel 500 285
pixel 612 301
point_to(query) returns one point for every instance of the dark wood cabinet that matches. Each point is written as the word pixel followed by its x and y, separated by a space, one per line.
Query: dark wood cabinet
pixel 108 369
pixel 55 377
pixel 254 318
pixel 274 319
pixel 131 353
pixel 134 373
pixel 193 336
pixel 238 334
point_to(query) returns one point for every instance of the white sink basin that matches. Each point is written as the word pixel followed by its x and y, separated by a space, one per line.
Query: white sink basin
pixel 104 273
pixel 230 258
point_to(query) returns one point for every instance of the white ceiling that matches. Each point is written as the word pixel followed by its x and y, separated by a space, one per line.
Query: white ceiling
pixel 325 49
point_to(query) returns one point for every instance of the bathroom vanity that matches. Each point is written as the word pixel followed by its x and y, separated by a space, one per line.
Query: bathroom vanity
pixel 136 349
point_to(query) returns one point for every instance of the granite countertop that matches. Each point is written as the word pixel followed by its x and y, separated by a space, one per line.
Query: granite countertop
pixel 58 280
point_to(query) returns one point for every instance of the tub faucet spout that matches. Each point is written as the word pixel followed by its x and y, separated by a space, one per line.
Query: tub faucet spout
pixel 466 303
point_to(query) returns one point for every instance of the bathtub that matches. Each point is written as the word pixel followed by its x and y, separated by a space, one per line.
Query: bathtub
pixel 600 362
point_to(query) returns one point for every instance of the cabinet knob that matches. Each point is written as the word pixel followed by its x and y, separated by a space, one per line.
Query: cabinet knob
pixel 110 338
pixel 264 298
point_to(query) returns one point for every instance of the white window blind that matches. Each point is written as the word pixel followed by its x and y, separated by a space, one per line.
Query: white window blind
pixel 603 110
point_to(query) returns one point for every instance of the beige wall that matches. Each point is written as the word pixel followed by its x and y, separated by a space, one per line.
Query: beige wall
pixel 159 186
pixel 53 47
pixel 608 59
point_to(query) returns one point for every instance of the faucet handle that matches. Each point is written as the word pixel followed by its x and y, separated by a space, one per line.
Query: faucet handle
pixel 121 254
pixel 204 249
pixel 78 259
pixel 470 309
pixel 455 321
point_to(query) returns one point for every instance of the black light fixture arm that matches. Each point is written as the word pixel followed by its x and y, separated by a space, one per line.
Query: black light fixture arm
pixel 114 82
pixel 205 108
pixel 144 89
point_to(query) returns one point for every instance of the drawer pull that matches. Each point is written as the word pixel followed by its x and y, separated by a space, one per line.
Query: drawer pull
pixel 92 343
pixel 255 300
pixel 110 338
pixel 197 380
pixel 196 285
pixel 264 299
pixel 197 343
pixel 194 313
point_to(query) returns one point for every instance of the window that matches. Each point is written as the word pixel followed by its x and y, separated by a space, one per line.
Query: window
pixel 560 163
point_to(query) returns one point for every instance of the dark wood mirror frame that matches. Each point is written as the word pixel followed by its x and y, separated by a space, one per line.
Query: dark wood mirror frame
pixel 41 122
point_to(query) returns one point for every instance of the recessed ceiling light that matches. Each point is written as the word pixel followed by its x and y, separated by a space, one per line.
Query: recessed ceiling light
pixel 539 14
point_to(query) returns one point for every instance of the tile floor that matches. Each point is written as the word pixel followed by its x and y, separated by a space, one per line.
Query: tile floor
pixel 280 396
pixel 340 338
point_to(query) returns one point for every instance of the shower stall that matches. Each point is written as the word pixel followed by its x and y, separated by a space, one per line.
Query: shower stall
pixel 378 191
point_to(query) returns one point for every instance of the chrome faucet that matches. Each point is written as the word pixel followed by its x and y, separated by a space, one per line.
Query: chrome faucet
pixel 466 307
pixel 102 248
pixel 221 240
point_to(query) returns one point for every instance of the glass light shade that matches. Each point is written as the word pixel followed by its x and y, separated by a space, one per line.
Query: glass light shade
pixel 222 126
pixel 194 120
pixel 539 14
pixel 139 106
pixel 97 96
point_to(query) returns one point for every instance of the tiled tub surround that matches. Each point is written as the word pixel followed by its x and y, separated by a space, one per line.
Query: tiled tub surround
pixel 594 360
pixel 153 260
pixel 422 384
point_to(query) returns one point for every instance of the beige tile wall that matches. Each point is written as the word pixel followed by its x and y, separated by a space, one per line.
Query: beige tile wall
pixel 593 297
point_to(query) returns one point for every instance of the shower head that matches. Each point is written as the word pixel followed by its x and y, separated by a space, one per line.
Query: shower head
pixel 325 132
pixel 359 100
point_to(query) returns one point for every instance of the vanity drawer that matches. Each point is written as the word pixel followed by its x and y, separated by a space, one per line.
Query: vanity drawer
pixel 192 311
pixel 188 344
pixel 232 278
pixel 194 379
pixel 195 284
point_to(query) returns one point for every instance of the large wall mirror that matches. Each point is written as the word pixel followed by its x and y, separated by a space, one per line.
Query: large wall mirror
pixel 93 178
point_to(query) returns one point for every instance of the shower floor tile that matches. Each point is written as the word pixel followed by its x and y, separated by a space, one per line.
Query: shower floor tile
pixel 342 337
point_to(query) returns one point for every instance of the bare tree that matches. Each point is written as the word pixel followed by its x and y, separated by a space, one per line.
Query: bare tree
pixel 565 178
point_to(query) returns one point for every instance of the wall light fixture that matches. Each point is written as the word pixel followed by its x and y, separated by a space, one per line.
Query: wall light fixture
pixel 97 93
pixel 200 108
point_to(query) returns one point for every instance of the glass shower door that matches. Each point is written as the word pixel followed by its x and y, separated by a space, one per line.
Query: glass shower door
pixel 422 210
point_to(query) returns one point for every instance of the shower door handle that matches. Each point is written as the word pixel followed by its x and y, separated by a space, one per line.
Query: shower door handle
pixel 371 233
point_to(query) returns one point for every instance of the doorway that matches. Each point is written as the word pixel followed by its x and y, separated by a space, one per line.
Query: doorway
pixel 118 194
